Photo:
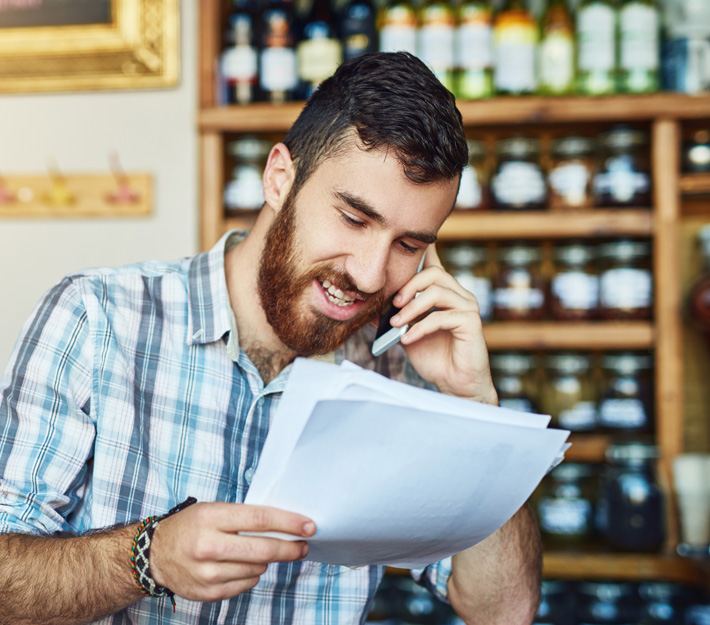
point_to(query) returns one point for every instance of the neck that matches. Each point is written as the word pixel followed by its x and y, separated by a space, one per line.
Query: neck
pixel 256 336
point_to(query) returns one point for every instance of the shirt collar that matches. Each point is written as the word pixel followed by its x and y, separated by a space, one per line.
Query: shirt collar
pixel 208 299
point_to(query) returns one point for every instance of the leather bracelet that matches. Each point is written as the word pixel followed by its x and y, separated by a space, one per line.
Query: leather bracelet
pixel 140 558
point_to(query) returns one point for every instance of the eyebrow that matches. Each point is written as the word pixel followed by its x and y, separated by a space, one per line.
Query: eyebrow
pixel 369 211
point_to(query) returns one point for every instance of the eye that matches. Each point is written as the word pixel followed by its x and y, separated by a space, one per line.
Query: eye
pixel 410 249
pixel 350 220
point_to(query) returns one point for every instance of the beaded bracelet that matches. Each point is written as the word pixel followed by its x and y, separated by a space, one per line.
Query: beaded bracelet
pixel 140 558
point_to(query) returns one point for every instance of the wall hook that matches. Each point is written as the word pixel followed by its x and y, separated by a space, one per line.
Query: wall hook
pixel 59 193
pixel 123 193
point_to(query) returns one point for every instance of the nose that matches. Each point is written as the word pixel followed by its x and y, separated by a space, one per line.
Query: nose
pixel 368 268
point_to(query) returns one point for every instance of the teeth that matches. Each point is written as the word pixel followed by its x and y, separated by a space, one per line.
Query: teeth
pixel 326 284
pixel 335 295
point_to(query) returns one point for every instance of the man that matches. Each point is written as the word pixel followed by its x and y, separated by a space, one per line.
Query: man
pixel 134 388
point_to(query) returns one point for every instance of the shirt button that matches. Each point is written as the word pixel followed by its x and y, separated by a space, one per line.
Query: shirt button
pixel 249 475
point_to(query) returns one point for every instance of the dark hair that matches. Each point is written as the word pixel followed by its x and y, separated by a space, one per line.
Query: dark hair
pixel 393 101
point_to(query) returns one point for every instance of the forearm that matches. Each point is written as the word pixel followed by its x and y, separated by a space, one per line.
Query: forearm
pixel 497 581
pixel 65 581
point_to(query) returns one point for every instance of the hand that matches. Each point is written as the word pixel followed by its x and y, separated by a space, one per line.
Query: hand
pixel 199 555
pixel 447 346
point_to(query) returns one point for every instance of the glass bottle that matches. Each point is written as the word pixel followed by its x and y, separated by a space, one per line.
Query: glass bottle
pixel 239 62
pixel 631 505
pixel 696 152
pixel 518 182
pixel 596 55
pixel 397 25
pixel 607 603
pixel 277 61
pixel 569 395
pixel 515 36
pixel 625 280
pixel 473 50
pixel 626 404
pixel 469 265
pixel 511 373
pixel 556 51
pixel 556 603
pixel 639 46
pixel 435 39
pixel 699 298
pixel 519 289
pixel 571 171
pixel 357 28
pixel 245 192
pixel 574 287
pixel 473 190
pixel 319 51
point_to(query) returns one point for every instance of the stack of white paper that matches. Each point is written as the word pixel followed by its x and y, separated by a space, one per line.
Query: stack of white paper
pixel 394 474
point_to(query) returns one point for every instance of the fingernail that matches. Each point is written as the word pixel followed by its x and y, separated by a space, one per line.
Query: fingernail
pixel 397 299
pixel 304 551
pixel 309 528
pixel 395 319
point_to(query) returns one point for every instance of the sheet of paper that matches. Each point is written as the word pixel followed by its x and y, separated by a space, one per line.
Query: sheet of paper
pixel 394 484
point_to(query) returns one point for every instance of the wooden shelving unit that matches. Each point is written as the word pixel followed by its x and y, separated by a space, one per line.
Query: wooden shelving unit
pixel 664 115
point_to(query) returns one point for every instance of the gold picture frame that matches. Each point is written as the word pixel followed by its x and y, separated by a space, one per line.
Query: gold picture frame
pixel 138 49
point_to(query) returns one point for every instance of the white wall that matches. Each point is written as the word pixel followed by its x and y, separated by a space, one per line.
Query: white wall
pixel 152 131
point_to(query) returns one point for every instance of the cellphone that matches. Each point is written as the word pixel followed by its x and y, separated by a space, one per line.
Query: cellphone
pixel 387 336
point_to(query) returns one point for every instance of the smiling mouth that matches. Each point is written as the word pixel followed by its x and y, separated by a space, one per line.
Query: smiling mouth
pixel 335 295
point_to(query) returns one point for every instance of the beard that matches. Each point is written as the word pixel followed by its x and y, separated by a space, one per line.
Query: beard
pixel 281 285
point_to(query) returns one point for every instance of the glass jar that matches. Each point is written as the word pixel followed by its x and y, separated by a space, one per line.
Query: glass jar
pixel 518 182
pixel 663 603
pixel 569 395
pixel 623 174
pixel 696 152
pixel 417 605
pixel 607 603
pixel 518 289
pixel 511 372
pixel 245 191
pixel 630 509
pixel 625 280
pixel 469 265
pixel 473 190
pixel 555 603
pixel 626 404
pixel 575 283
pixel 571 170
pixel 565 508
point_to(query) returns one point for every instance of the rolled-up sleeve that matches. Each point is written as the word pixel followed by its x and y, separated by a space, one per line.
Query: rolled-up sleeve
pixel 46 432
pixel 435 577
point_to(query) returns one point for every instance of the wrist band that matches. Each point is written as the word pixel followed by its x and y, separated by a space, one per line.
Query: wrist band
pixel 140 558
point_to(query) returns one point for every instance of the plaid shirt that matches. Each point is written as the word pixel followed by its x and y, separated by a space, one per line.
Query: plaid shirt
pixel 126 394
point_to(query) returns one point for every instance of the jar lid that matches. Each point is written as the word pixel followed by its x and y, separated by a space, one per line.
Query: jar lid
pixel 512 363
pixel 476 148
pixel 625 250
pixel 701 136
pixel 608 592
pixel 464 255
pixel 568 364
pixel 626 363
pixel 249 148
pixel 574 254
pixel 520 147
pixel 661 591
pixel 572 471
pixel 624 138
pixel 573 146
pixel 634 452
pixel 520 254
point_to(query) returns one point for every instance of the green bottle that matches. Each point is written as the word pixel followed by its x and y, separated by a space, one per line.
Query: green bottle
pixel 473 50
pixel 596 40
pixel 515 36
pixel 435 39
pixel 638 46
pixel 556 72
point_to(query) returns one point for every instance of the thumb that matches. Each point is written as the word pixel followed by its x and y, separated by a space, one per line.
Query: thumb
pixel 431 257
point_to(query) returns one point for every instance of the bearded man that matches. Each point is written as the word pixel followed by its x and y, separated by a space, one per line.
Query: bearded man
pixel 132 389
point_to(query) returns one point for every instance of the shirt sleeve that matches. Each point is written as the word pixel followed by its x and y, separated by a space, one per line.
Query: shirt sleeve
pixel 435 578
pixel 46 433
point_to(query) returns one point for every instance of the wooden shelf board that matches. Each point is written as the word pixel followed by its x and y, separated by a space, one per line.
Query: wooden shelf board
pixel 599 222
pixel 695 184
pixel 264 117
pixel 569 335
pixel 587 447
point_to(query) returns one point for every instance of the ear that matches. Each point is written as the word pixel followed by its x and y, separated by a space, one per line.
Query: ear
pixel 278 178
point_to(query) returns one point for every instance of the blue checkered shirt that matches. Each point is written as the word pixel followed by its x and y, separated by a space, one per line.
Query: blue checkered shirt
pixel 127 393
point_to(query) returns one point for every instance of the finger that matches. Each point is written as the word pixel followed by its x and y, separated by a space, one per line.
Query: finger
pixel 457 322
pixel 220 592
pixel 256 550
pixel 431 257
pixel 215 573
pixel 243 517
pixel 422 281
pixel 438 297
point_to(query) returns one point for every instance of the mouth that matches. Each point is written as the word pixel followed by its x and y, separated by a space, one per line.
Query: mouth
pixel 336 295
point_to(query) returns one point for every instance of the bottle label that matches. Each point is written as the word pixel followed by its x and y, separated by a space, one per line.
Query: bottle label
pixel 399 31
pixel 245 191
pixel 625 288
pixel 566 517
pixel 557 61
pixel 620 180
pixel 436 45
pixel 239 64
pixel 473 42
pixel 639 37
pixel 576 290
pixel 581 417
pixel 481 288
pixel 595 34
pixel 514 54
pixel 470 194
pixel 318 59
pixel 622 413
pixel 518 299
pixel 518 183
pixel 570 182
pixel 278 69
